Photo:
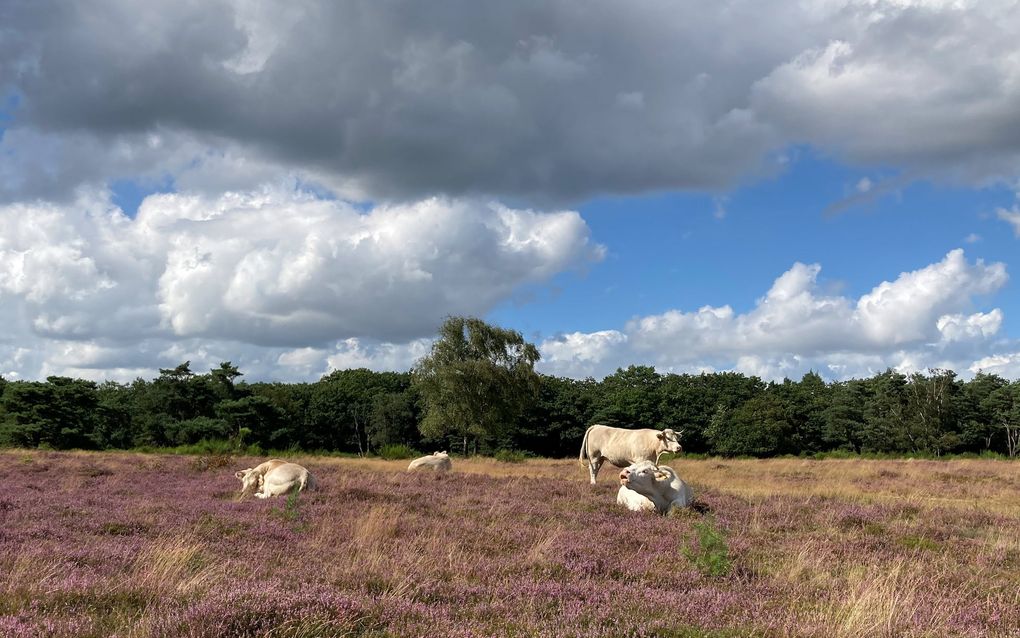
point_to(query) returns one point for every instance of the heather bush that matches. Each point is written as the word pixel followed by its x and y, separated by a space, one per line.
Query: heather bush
pixel 144 546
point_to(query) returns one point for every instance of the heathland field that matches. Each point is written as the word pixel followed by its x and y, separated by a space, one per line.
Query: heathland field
pixel 133 545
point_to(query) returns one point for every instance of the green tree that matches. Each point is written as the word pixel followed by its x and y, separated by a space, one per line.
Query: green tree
pixel 692 403
pixel 393 419
pixel 978 427
pixel 806 402
pixel 630 398
pixel 60 413
pixel 223 380
pixel 252 414
pixel 1004 406
pixel 932 425
pixel 758 427
pixel 555 422
pixel 476 382
pixel 341 406
pixel 843 416
pixel 885 414
pixel 115 427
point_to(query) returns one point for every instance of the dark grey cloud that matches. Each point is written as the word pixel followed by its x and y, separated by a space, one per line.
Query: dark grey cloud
pixel 542 100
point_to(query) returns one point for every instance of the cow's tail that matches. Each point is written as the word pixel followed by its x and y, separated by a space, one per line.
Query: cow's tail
pixel 584 447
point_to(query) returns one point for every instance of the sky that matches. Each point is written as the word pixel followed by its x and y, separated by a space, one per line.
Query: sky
pixel 767 188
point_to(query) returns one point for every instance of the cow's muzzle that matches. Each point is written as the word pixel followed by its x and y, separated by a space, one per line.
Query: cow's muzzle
pixel 625 476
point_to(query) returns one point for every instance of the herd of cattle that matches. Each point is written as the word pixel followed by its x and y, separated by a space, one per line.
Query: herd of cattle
pixel 644 484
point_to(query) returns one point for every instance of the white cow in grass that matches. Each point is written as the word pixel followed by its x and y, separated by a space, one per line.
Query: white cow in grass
pixel 275 478
pixel 438 461
pixel 622 447
pixel 646 486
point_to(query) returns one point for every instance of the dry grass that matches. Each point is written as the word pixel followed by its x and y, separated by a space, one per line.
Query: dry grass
pixel 987 485
pixel 818 549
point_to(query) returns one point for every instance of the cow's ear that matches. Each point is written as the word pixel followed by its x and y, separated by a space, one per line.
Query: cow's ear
pixel 661 476
pixel 661 435
pixel 239 474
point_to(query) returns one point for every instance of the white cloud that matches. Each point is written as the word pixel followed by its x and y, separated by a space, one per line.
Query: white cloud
pixel 899 312
pixel 579 354
pixel 260 274
pixel 355 353
pixel 915 321
pixel 1012 217
pixel 1005 365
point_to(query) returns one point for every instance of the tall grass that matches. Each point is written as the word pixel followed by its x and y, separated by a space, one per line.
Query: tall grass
pixel 152 546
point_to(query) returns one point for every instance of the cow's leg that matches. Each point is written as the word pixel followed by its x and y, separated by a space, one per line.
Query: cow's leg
pixel 593 468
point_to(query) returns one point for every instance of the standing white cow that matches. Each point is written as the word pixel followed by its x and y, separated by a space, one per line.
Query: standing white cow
pixel 275 478
pixel 438 461
pixel 646 486
pixel 622 447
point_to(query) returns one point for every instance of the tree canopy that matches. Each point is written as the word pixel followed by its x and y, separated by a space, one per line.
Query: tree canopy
pixel 476 382
pixel 477 387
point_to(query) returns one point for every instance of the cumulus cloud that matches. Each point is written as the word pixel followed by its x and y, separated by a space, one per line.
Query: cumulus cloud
pixel 1011 217
pixel 545 100
pixel 922 318
pixel 1005 365
pixel 271 269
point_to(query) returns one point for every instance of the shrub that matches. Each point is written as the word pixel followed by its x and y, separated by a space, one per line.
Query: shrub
pixel 511 456
pixel 398 451
pixel 712 556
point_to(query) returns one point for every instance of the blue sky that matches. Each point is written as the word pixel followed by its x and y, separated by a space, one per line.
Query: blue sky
pixel 298 188
pixel 674 250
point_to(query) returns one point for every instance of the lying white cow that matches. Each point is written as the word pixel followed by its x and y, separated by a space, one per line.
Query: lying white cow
pixel 438 461
pixel 274 478
pixel 646 486
pixel 622 447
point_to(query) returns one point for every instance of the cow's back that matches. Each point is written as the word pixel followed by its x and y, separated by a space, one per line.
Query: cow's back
pixel 620 446
pixel 432 462
pixel 287 473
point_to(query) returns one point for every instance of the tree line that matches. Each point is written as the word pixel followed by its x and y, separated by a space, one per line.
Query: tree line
pixel 477 392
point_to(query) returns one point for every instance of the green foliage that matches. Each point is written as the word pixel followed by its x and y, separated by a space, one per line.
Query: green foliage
pixel 511 456
pixel 758 427
pixel 711 556
pixel 291 513
pixel 477 390
pixel 630 398
pixel 397 451
pixel 393 418
pixel 476 382
pixel 60 413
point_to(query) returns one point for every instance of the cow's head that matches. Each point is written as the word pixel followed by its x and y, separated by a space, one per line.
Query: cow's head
pixel 250 480
pixel 442 454
pixel 646 478
pixel 670 440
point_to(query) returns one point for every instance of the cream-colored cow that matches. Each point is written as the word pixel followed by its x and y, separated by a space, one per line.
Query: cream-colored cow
pixel 646 486
pixel 438 461
pixel 621 447
pixel 274 478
